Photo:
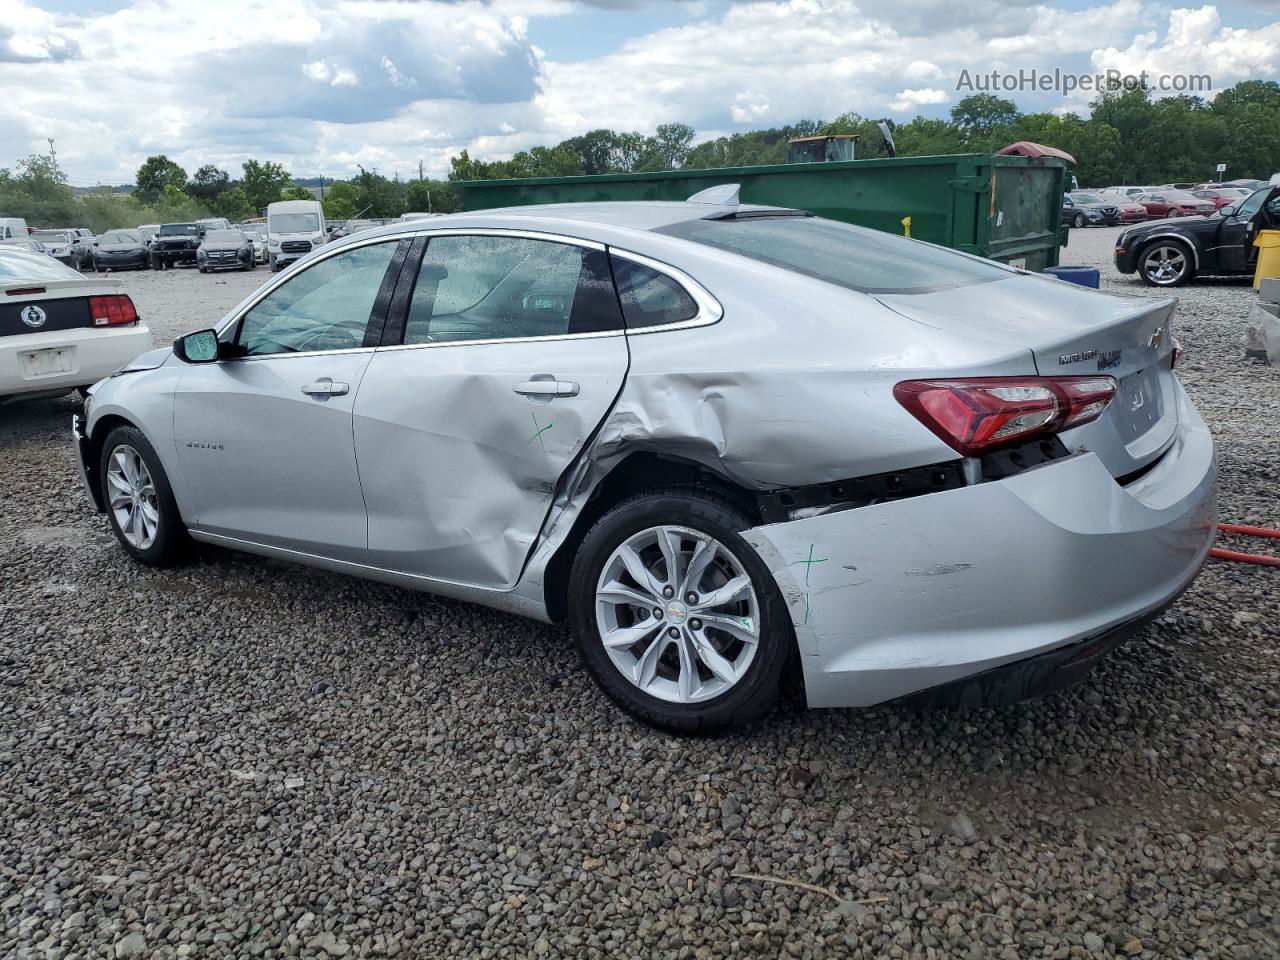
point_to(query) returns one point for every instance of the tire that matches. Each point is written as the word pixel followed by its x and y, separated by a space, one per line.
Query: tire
pixel 748 683
pixel 275 267
pixel 96 268
pixel 1177 259
pixel 1171 214
pixel 168 542
pixel 156 263
pixel 202 268
pixel 1080 221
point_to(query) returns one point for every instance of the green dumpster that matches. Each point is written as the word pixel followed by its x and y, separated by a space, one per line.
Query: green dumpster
pixel 1005 208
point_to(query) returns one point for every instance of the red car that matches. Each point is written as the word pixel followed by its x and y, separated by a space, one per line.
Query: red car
pixel 1174 203
pixel 1132 212
pixel 1220 196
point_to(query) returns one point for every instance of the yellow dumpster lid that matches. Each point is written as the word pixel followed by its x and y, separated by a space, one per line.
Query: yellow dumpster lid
pixel 1267 238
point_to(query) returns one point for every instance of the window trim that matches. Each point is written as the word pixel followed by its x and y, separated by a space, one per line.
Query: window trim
pixel 233 322
pixel 709 309
pixel 709 312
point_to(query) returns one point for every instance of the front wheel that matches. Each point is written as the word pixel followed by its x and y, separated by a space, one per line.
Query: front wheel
pixel 1165 263
pixel 676 616
pixel 140 504
pixel 1080 221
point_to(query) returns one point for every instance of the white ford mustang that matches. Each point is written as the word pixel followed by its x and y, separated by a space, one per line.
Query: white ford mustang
pixel 60 330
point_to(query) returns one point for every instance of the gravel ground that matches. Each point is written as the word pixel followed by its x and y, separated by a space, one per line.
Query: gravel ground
pixel 244 758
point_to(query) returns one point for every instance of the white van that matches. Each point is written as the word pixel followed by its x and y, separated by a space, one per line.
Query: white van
pixel 13 228
pixel 294 229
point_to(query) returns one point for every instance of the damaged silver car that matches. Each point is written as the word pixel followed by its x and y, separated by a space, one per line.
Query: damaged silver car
pixel 716 439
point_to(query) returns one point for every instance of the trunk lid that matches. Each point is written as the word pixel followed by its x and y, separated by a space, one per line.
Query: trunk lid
pixel 1074 331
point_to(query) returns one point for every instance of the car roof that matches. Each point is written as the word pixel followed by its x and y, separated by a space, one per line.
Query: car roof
pixel 592 220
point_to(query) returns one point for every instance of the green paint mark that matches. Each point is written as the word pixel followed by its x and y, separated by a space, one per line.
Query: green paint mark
pixel 541 430
pixel 808 563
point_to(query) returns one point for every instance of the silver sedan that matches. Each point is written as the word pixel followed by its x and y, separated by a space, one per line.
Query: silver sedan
pixel 720 441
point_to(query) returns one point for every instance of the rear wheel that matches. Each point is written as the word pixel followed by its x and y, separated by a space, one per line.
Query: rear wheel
pixel 139 500
pixel 1166 263
pixel 676 616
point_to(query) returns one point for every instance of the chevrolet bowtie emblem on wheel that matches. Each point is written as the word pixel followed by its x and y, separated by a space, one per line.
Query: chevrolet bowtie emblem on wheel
pixel 33 316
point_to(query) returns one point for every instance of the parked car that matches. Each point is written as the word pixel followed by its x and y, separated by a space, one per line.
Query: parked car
pixel 175 243
pixel 257 234
pixel 1174 203
pixel 214 223
pixel 26 243
pixel 59 244
pixel 120 250
pixel 149 231
pixel 1221 196
pixel 709 436
pixel 1170 254
pixel 225 250
pixel 1246 183
pixel 13 228
pixel 59 330
pixel 1081 209
pixel 1131 191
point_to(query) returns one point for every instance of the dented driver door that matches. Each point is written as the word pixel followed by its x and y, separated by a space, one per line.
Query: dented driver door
pixel 502 362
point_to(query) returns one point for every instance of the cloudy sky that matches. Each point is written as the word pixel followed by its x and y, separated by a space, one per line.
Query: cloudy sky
pixel 326 85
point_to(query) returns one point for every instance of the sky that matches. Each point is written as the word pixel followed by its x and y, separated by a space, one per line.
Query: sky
pixel 328 86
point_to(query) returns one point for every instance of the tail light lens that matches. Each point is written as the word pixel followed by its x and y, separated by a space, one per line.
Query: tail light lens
pixel 975 415
pixel 1175 354
pixel 112 311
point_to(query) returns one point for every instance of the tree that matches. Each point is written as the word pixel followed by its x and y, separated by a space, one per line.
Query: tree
pixel 297 193
pixel 262 182
pixel 155 174
pixel 209 183
pixel 432 196
pixel 232 204
pixel 340 201
pixel 980 115
pixel 668 148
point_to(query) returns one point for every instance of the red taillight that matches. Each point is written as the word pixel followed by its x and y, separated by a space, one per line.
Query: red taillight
pixel 1175 354
pixel 112 311
pixel 978 414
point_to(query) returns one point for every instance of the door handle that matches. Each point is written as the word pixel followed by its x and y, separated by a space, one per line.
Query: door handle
pixel 547 388
pixel 324 387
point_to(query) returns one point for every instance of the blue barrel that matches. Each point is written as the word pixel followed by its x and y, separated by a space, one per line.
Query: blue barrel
pixel 1085 276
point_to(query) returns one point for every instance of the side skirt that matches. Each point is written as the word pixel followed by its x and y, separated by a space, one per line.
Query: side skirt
pixel 507 601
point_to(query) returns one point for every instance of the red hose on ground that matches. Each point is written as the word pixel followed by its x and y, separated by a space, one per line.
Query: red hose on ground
pixel 1258 559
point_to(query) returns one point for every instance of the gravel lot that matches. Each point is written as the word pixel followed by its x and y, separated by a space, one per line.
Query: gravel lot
pixel 244 758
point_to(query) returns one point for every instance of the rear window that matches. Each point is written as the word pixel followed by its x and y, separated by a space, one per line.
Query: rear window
pixel 854 257
pixel 650 298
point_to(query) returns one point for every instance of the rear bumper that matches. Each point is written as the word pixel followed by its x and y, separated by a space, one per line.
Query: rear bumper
pixel 911 595
pixel 91 353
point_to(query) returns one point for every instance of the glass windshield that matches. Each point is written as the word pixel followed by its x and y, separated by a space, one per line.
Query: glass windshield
pixel 295 223
pixel 1247 208
pixel 224 236
pixel 848 256
pixel 56 236
pixel 17 262
pixel 179 230
pixel 1086 198
pixel 120 236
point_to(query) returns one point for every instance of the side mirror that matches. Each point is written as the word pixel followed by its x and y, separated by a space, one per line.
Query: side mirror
pixel 198 347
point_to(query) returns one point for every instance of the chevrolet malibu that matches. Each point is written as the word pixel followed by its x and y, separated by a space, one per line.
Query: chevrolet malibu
pixel 716 439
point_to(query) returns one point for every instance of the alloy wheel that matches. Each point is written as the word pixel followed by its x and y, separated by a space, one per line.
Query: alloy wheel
pixel 677 614
pixel 132 495
pixel 1164 265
